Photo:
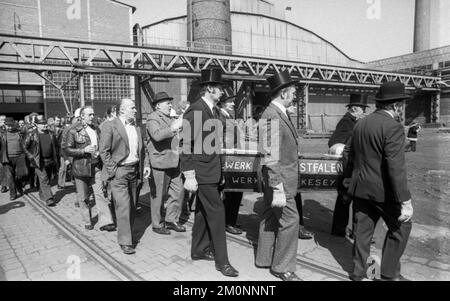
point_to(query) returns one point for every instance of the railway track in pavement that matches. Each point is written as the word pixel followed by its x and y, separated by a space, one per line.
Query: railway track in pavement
pixel 119 270
pixel 124 273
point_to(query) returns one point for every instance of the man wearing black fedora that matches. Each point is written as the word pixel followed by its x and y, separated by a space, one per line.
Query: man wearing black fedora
pixel 41 149
pixel 165 180
pixel 201 167
pixel 355 111
pixel 377 183
pixel 279 226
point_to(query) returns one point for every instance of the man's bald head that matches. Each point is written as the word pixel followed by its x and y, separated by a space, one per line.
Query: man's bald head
pixel 127 109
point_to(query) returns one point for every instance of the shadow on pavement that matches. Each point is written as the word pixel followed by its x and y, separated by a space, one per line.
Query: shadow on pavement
pixel 10 206
pixel 142 220
pixel 60 194
pixel 320 223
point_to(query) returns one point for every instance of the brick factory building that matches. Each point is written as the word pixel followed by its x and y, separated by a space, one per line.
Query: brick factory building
pixel 83 20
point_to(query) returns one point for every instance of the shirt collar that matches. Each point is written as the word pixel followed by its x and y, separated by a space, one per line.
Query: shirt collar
pixel 209 103
pixel 280 106
pixel 390 113
pixel 124 122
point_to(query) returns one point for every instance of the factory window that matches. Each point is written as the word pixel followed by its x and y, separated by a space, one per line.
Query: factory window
pixel 20 94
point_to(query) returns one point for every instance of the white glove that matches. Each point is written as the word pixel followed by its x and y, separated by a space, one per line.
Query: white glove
pixel 406 212
pixel 279 197
pixel 190 184
pixel 336 149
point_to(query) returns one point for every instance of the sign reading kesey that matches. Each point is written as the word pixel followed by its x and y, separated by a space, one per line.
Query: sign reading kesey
pixel 316 172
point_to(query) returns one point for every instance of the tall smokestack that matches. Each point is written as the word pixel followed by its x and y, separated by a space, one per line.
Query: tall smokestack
pixel 427 24
pixel 422 25
pixel 209 24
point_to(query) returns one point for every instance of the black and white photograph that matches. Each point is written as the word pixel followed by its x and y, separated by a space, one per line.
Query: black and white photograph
pixel 214 146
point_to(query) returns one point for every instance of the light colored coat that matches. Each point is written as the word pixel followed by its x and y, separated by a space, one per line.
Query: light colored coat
pixel 162 144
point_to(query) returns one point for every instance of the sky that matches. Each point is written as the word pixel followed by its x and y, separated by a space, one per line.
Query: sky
pixel 365 30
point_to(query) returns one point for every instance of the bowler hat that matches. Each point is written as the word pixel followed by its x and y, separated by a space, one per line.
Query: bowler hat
pixel 391 92
pixel 211 76
pixel 40 119
pixel 279 81
pixel 161 96
pixel 358 100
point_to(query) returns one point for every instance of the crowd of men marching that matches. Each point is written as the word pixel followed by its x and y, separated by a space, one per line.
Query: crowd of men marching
pixel 108 159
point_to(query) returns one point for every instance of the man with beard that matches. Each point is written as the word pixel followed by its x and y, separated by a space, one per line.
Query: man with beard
pixel 201 167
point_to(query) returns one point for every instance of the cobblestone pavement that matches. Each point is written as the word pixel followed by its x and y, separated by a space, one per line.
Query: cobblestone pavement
pixel 32 248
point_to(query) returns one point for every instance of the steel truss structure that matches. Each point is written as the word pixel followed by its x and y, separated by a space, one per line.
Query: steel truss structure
pixel 22 53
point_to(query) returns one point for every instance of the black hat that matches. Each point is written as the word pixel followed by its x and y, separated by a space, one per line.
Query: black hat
pixel 391 92
pixel 211 76
pixel 358 100
pixel 9 121
pixel 40 119
pixel 161 96
pixel 279 81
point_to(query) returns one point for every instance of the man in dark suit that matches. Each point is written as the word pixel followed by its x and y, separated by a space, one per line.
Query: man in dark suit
pixel 232 134
pixel 341 135
pixel 201 167
pixel 164 157
pixel 279 226
pixel 123 154
pixel 378 184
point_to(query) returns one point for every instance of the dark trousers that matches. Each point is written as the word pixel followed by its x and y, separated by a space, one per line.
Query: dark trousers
pixel 367 214
pixel 208 231
pixel 3 180
pixel 341 215
pixel 14 183
pixel 232 203
pixel 124 191
pixel 44 174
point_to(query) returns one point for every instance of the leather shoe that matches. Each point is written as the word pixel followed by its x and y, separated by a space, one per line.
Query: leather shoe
pixel 233 230
pixel 227 270
pixel 398 278
pixel 12 197
pixel 108 228
pixel 205 256
pixel 4 189
pixel 50 203
pixel 162 231
pixel 305 234
pixel 288 276
pixel 175 227
pixel 127 249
